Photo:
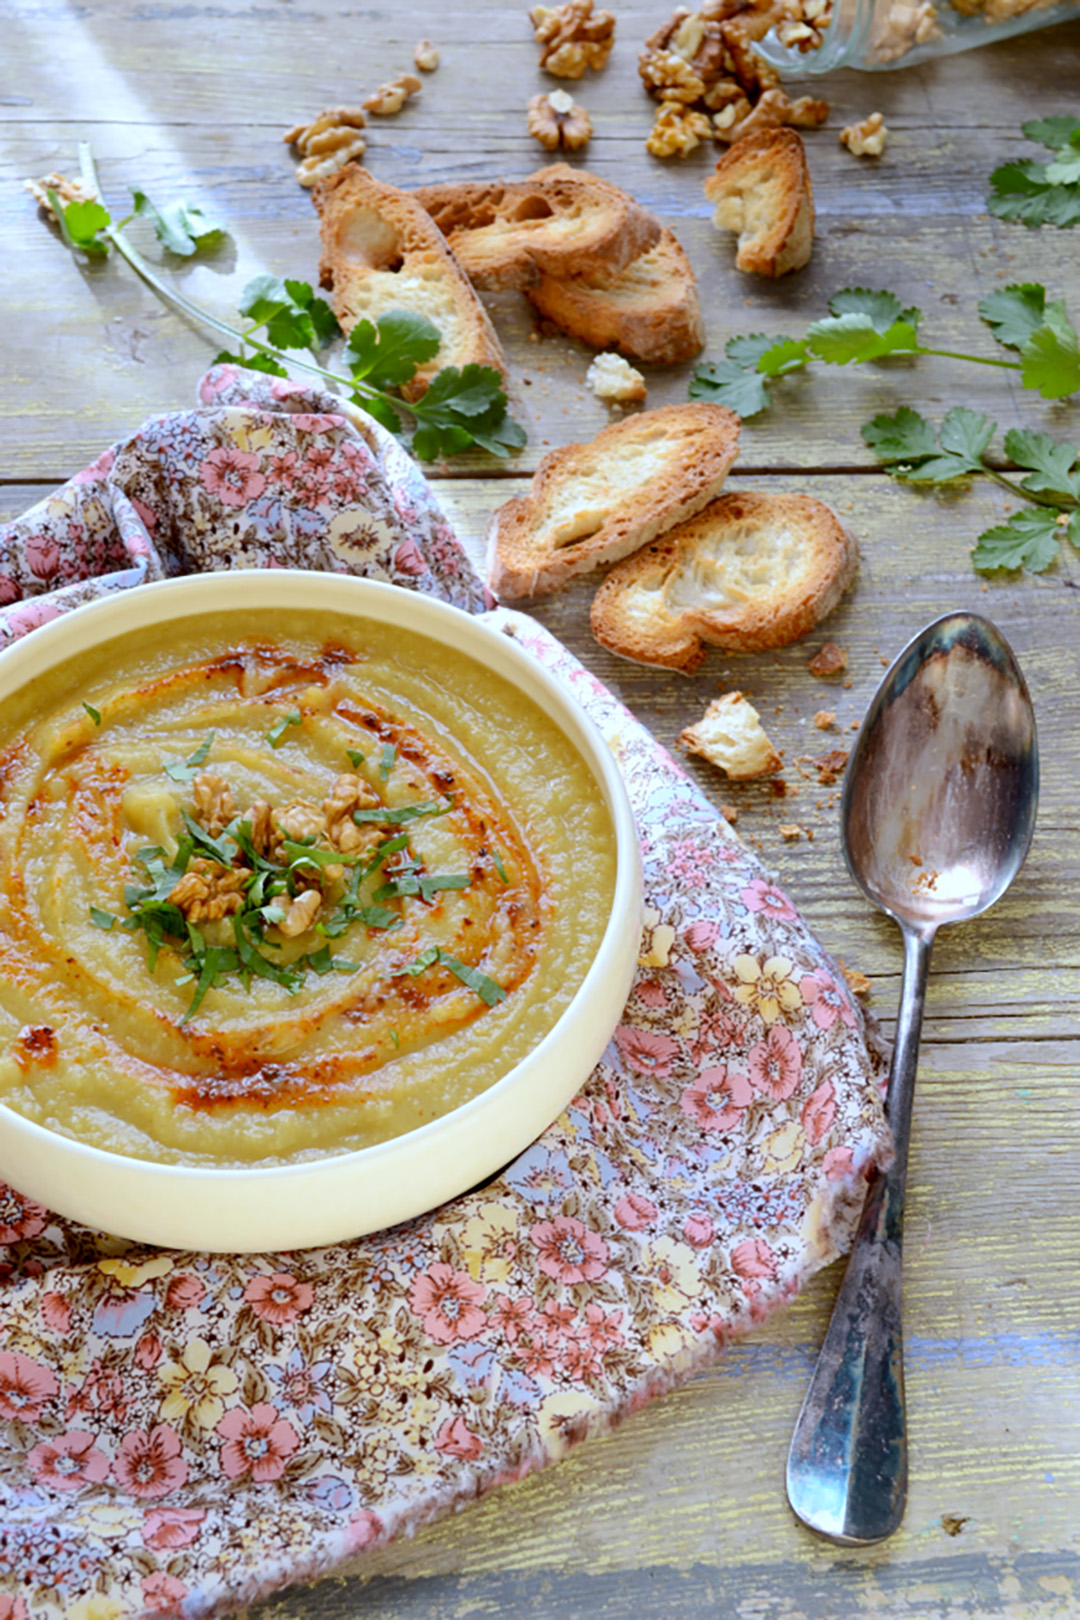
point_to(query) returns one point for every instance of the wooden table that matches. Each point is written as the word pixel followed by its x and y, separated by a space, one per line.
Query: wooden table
pixel 682 1512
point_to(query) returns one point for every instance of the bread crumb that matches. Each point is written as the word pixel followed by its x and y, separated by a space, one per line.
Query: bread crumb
pixel 730 813
pixel 730 735
pixel 824 719
pixel 831 660
pixel 614 380
pixel 791 831
pixel 829 766
pixel 858 983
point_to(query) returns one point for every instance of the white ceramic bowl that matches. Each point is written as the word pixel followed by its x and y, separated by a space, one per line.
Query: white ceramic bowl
pixel 341 1195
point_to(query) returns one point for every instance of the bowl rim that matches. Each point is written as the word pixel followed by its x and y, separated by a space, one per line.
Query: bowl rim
pixel 74 632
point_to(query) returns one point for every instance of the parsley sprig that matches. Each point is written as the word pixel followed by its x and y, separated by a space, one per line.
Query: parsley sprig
pixel 864 325
pixel 913 450
pixel 1041 193
pixel 286 321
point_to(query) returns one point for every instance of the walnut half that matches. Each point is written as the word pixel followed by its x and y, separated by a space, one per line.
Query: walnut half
pixel 209 891
pixel 557 120
pixel 572 38
pixel 327 143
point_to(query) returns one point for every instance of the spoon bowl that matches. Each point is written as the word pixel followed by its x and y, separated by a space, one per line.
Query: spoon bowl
pixel 937 815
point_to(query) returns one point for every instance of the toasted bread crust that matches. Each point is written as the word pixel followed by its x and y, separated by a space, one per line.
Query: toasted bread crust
pixel 595 503
pixel 762 191
pixel 750 572
pixel 649 311
pixel 381 251
pixel 559 221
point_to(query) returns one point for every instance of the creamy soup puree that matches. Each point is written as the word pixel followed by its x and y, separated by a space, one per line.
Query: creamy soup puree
pixel 272 887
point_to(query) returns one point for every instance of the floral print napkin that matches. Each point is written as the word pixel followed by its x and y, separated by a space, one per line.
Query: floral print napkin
pixel 184 1432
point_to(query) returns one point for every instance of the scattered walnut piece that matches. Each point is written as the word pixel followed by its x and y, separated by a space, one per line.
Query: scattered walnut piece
pixel 670 77
pixel 214 806
pixel 67 191
pixel 831 660
pixel 349 793
pixel 866 139
pixel 614 380
pixel 906 24
pixel 707 61
pixel 327 143
pixel 572 38
pixel 824 719
pixel 857 982
pixel 677 130
pixel 557 120
pixel 301 913
pixel 425 56
pixel 389 98
pixel 791 831
pixel 209 891
pixel 730 813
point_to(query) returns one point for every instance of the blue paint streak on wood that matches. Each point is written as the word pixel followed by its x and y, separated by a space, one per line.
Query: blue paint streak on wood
pixel 962 1583
pixel 922 1352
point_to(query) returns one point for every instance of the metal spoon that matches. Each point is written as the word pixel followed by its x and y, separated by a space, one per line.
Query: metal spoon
pixel 937 814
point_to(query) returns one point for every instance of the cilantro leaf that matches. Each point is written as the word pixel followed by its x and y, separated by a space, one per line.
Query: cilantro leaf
pixel 840 339
pixel 323 320
pixel 747 351
pixel 786 354
pixel 181 227
pixel 725 382
pixel 1041 193
pixel 1030 539
pixel 1051 463
pixel 378 406
pixel 389 352
pixel 386 763
pixel 1054 132
pixel 909 442
pixel 1051 355
pixel 882 309
pixel 102 919
pixel 907 436
pixel 1015 313
pixel 253 362
pixel 80 224
pixel 462 408
pixel 95 714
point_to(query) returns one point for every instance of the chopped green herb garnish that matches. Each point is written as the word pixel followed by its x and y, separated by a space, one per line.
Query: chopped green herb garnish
pixel 485 987
pixel 184 772
pixel 356 758
pixel 95 714
pixel 386 763
pixel 276 735
pixel 394 1037
pixel 499 867
pixel 102 919
pixel 394 817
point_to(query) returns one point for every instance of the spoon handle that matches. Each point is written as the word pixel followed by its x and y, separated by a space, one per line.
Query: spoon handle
pixel 847 1467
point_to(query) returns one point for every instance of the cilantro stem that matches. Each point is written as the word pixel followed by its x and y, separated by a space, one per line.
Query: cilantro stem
pixel 956 354
pixel 1058 502
pixel 357 386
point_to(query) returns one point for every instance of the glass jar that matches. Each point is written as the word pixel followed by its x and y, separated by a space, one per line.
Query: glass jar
pixel 825 34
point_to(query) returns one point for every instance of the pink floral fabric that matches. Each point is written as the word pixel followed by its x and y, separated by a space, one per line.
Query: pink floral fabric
pixel 186 1432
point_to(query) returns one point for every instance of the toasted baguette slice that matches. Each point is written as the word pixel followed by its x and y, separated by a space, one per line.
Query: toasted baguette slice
pixel 748 573
pixel 594 503
pixel 762 191
pixel 558 220
pixel 649 311
pixel 730 735
pixel 380 251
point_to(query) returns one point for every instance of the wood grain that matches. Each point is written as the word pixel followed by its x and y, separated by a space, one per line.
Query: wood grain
pixel 681 1513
